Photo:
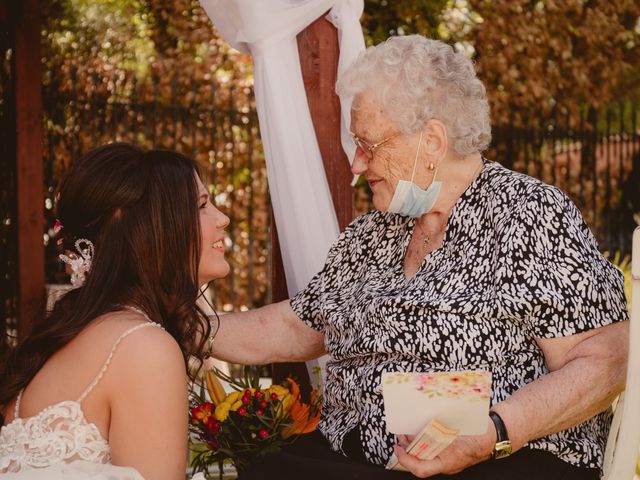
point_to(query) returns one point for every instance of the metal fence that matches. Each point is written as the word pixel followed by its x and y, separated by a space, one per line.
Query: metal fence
pixel 593 155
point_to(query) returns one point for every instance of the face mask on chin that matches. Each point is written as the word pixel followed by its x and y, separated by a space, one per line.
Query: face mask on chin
pixel 409 199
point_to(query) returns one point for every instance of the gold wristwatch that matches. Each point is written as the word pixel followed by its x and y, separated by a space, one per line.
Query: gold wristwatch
pixel 503 444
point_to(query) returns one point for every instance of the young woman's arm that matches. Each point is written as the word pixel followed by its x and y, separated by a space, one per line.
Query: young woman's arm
pixel 149 405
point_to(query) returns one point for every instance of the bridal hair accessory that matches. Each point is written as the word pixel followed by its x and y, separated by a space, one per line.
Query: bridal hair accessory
pixel 80 264
pixel 57 226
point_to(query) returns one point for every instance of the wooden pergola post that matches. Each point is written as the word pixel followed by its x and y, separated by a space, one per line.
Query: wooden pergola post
pixel 26 16
pixel 318 50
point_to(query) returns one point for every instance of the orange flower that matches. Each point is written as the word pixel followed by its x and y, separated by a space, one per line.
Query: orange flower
pixel 293 388
pixel 202 413
pixel 303 420
pixel 214 387
pixel 291 396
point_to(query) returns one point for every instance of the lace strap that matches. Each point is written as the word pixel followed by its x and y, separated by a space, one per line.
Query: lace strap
pixel 96 380
pixel 16 409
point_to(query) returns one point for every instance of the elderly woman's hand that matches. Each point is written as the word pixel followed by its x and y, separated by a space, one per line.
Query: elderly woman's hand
pixel 465 451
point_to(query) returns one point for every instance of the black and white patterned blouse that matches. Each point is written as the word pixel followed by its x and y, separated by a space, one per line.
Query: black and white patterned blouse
pixel 517 262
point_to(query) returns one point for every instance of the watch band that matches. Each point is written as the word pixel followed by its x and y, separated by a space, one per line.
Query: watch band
pixel 503 447
pixel 501 429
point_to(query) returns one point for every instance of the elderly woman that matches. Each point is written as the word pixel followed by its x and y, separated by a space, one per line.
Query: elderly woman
pixel 463 265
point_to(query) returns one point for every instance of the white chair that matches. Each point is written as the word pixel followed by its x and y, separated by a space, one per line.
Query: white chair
pixel 624 439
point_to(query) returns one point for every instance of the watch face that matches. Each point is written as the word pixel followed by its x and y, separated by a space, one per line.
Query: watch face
pixel 503 449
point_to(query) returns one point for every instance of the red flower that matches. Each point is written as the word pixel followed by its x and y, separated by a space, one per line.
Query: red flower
pixel 263 433
pixel 259 412
pixel 259 394
pixel 213 427
pixel 245 400
pixel 202 413
pixel 242 411
pixel 263 404
pixel 274 396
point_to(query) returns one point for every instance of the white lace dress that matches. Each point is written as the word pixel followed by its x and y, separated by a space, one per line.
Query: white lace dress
pixel 59 443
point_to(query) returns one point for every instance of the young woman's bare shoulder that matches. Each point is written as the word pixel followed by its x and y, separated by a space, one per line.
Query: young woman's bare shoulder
pixel 147 346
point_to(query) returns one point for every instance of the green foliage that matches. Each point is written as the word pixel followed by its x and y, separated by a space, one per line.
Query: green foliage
pixel 551 54
pixel 86 29
pixel 123 39
pixel 541 54
pixel 531 55
pixel 385 18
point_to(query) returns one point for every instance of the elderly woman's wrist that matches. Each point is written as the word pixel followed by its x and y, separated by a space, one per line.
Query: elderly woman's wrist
pixel 491 439
pixel 514 434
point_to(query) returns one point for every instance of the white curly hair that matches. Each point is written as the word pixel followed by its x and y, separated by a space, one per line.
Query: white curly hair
pixel 418 79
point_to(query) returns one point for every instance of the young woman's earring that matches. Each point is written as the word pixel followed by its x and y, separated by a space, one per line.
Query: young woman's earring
pixel 431 166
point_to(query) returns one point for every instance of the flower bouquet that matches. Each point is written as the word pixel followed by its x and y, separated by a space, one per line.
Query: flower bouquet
pixel 249 422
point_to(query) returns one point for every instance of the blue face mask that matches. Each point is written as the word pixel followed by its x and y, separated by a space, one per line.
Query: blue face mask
pixel 409 199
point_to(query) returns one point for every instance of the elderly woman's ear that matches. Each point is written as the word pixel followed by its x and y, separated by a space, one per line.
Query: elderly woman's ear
pixel 435 141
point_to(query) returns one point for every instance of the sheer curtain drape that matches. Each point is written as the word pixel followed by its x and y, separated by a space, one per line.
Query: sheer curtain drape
pixel 302 204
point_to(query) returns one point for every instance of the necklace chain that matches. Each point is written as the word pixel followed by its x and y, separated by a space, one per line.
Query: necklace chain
pixel 426 238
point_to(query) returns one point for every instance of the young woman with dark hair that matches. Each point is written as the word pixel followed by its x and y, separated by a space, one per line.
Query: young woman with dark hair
pixel 94 388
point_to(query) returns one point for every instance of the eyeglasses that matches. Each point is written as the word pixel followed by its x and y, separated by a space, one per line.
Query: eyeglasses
pixel 367 149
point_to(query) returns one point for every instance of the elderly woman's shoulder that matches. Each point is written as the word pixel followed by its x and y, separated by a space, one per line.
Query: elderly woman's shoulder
pixel 519 190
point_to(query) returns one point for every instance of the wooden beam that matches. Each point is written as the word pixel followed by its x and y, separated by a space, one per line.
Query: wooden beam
pixel 278 280
pixel 4 13
pixel 30 175
pixel 318 50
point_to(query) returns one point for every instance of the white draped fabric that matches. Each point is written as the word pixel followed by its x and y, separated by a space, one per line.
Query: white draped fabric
pixel 302 204
pixel 300 196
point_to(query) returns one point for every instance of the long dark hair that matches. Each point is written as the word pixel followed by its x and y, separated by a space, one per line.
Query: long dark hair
pixel 140 210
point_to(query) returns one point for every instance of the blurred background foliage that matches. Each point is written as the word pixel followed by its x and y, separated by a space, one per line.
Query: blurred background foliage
pixel 157 73
pixel 529 54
